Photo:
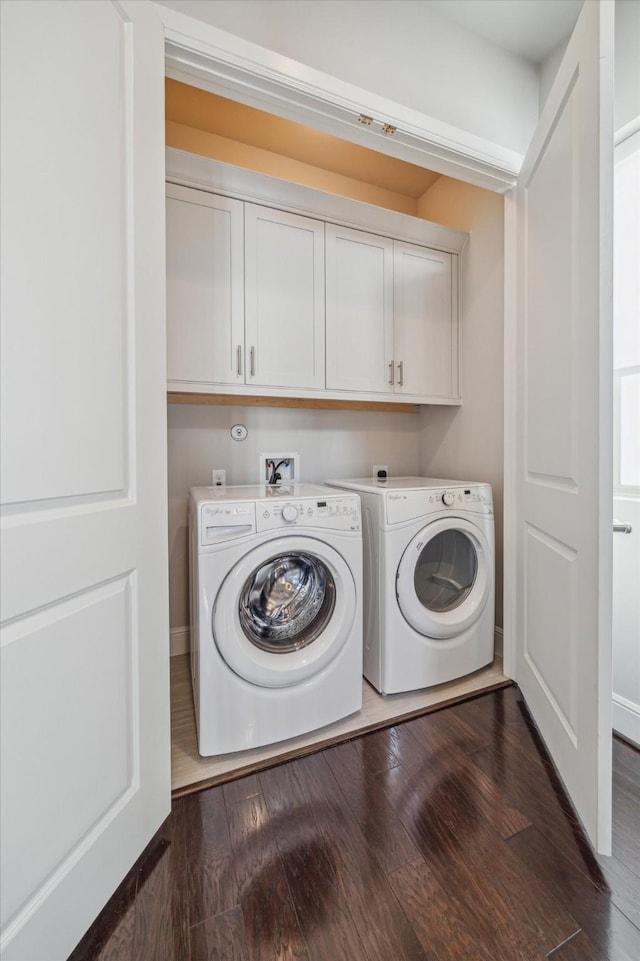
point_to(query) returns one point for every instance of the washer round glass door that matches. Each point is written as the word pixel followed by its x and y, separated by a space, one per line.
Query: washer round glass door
pixel 287 602
pixel 284 611
pixel 444 578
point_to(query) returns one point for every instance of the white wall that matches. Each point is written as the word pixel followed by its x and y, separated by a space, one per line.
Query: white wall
pixel 627 65
pixel 467 442
pixel 399 49
pixel 626 620
pixel 331 444
pixel 547 72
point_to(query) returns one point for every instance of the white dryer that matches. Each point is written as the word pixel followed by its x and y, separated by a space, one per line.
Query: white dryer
pixel 429 579
pixel 276 612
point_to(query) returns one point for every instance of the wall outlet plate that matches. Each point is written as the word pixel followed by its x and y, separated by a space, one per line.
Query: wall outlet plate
pixel 218 477
pixel 380 472
pixel 279 468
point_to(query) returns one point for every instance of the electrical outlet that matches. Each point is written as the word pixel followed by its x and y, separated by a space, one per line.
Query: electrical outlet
pixel 218 477
pixel 380 472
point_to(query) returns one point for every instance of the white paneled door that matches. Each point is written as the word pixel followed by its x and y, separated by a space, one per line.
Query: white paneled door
pixel 564 421
pixel 85 728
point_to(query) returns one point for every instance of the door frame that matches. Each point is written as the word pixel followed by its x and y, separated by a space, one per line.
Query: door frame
pixel 199 54
pixel 209 58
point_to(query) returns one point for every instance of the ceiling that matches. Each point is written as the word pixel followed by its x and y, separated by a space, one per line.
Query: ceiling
pixel 527 28
pixel 530 29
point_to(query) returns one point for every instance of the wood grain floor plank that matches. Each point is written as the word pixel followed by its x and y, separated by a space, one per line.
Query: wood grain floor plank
pixel 580 948
pixel 161 928
pixel 527 785
pixel 592 909
pixel 511 913
pixel 118 943
pixel 626 758
pixel 427 753
pixel 313 868
pixel 220 938
pixel 241 789
pixel 154 935
pixel 377 819
pixel 381 924
pixel 443 838
pixel 435 916
pixel 622 886
pixel 626 828
pixel 450 729
pixel 271 925
pixel 209 860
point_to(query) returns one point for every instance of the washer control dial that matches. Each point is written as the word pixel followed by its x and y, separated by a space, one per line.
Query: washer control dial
pixel 448 498
pixel 289 513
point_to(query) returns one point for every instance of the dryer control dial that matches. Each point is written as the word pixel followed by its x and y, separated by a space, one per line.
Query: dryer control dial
pixel 289 513
pixel 448 498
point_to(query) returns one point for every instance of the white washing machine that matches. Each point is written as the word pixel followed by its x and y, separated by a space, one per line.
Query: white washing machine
pixel 276 612
pixel 429 579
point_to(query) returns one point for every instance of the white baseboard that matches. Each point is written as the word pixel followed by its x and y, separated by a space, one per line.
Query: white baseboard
pixel 626 719
pixel 498 640
pixel 179 640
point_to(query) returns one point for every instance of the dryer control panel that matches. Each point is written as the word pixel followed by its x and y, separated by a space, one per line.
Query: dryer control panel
pixel 410 504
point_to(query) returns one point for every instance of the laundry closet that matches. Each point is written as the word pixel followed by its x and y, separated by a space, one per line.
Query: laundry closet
pixel 340 427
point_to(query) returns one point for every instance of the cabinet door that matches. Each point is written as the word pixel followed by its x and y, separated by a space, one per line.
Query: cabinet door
pixel 284 273
pixel 425 323
pixel 359 310
pixel 205 288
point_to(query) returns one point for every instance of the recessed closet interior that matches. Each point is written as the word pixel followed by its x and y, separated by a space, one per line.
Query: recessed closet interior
pixel 441 441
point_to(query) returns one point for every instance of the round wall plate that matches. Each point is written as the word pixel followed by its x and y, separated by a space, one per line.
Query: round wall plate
pixel 239 432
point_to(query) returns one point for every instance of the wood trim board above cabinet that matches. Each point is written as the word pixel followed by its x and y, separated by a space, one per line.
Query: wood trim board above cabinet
pixel 311 403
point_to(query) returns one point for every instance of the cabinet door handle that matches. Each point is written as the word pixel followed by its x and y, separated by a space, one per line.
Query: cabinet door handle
pixel 391 373
pixel 239 368
pixel 401 374
pixel 252 361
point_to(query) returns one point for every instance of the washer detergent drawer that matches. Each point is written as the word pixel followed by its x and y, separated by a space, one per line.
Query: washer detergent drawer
pixel 226 522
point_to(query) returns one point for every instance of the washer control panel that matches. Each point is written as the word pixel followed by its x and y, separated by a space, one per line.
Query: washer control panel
pixel 338 513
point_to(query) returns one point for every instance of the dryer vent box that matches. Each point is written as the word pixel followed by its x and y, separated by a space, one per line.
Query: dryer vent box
pixel 278 469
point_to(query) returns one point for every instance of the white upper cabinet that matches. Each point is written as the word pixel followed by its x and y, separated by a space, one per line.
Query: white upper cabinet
pixel 284 290
pixel 278 299
pixel 205 288
pixel 359 310
pixel 425 331
pixel 392 325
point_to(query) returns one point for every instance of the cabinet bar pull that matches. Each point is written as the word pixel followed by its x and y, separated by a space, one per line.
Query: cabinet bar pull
pixel 401 374
pixel 391 373
pixel 252 361
pixel 239 368
pixel 622 527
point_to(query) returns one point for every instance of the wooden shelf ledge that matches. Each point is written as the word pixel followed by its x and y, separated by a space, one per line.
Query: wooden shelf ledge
pixel 313 403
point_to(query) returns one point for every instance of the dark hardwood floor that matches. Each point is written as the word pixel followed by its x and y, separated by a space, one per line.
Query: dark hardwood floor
pixel 446 838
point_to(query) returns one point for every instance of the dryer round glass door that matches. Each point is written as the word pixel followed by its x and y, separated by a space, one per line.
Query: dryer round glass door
pixel 444 578
pixel 284 611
